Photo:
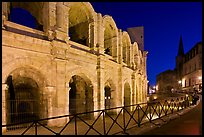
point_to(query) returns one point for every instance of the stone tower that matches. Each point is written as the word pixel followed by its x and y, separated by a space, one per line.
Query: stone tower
pixel 179 59
pixel 137 35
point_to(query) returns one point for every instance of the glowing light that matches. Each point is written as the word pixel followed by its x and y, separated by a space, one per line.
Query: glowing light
pixel 199 77
pixel 179 81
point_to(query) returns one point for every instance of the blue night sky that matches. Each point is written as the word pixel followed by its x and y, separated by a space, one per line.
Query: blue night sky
pixel 164 23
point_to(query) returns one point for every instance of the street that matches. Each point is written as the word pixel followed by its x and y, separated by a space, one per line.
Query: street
pixel 189 123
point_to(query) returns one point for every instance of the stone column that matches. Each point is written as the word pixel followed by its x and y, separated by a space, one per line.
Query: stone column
pixel 132 63
pixel 115 48
pixel 133 89
pixel 119 46
pixel 92 35
pixel 4 90
pixel 61 21
pixel 128 55
pixel 4 13
pixel 100 33
pixel 67 102
pixel 49 19
pixel 50 94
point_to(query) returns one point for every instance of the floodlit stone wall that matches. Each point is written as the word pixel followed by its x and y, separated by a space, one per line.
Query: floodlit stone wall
pixel 71 41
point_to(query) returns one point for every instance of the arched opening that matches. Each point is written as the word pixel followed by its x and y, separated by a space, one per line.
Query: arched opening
pixel 80 95
pixel 110 36
pixel 127 96
pixel 22 17
pixel 107 97
pixel 24 101
pixel 126 48
pixel 79 23
pixel 27 13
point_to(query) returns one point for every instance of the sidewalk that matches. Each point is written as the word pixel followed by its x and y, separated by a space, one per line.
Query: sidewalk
pixel 180 123
pixel 70 130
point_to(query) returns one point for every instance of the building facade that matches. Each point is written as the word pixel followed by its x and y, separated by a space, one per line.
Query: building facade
pixel 187 75
pixel 137 35
pixel 192 69
pixel 74 60
pixel 166 81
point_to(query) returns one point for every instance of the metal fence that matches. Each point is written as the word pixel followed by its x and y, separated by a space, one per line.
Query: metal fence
pixel 19 111
pixel 107 121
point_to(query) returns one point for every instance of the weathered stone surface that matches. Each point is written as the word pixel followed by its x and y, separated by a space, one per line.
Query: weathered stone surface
pixel 52 60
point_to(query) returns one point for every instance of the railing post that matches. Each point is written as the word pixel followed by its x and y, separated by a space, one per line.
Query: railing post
pixel 138 117
pixel 124 119
pixel 150 120
pixel 35 127
pixel 75 123
pixel 104 126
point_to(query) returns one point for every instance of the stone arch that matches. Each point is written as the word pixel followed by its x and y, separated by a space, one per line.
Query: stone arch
pixel 81 15
pixel 25 62
pixel 110 36
pixel 126 48
pixel 25 97
pixel 89 81
pixel 139 90
pixel 80 94
pixel 140 58
pixel 127 95
pixel 36 9
pixel 86 74
pixel 136 54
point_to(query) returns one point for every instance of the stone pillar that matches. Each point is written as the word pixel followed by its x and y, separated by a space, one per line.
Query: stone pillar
pixel 100 80
pixel 49 19
pixel 133 89
pixel 115 48
pixel 145 62
pixel 92 39
pixel 67 101
pixel 131 56
pixel 100 33
pixel 120 47
pixel 128 54
pixel 4 13
pixel 50 95
pixel 62 21
pixel 4 90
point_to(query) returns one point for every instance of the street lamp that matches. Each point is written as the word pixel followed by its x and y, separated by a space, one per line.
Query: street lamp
pixel 200 82
pixel 179 84
pixel 199 77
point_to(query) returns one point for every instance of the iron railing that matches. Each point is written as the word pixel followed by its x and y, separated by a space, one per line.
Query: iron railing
pixel 104 122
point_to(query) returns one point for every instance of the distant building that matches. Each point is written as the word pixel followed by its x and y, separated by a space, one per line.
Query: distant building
pixel 166 81
pixel 192 69
pixel 187 75
pixel 137 35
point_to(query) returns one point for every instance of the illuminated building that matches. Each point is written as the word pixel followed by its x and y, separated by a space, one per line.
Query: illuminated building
pixel 187 75
pixel 74 60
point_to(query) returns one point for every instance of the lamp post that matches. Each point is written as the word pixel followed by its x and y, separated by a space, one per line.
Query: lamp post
pixel 179 84
pixel 200 83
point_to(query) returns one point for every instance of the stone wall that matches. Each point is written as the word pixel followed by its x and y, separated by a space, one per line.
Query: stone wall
pixel 55 59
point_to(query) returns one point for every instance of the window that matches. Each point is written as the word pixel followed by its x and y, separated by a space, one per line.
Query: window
pixel 196 49
pixel 195 66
